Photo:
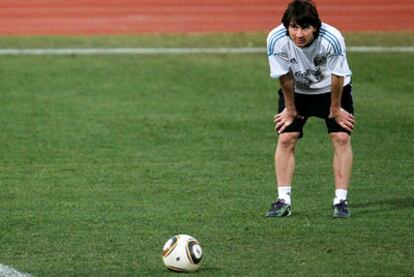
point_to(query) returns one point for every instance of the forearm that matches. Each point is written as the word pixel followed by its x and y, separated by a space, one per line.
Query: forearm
pixel 289 113
pixel 342 117
pixel 337 83
pixel 287 84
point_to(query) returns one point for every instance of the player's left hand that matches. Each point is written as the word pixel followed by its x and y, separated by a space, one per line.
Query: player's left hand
pixel 345 119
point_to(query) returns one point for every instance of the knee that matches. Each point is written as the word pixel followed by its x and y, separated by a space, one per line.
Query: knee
pixel 287 141
pixel 340 139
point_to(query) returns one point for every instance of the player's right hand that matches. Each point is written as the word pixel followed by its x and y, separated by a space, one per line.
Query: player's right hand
pixel 284 119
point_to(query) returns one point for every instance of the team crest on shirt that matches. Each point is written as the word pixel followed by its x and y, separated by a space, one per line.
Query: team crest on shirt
pixel 319 60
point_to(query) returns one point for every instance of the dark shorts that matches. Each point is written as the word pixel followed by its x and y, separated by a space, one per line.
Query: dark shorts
pixel 319 106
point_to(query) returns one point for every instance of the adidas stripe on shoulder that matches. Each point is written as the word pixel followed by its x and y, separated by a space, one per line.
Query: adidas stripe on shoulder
pixel 333 37
pixel 277 35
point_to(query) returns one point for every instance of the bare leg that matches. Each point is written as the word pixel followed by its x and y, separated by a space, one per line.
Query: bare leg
pixel 285 158
pixel 342 159
pixel 285 168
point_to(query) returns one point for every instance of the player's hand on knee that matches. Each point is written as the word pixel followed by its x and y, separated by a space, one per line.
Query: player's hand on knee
pixel 284 119
pixel 345 119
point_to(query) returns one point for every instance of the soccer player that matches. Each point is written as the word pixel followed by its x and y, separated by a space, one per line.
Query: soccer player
pixel 309 59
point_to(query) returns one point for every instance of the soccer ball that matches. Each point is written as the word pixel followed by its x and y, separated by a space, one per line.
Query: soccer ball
pixel 182 253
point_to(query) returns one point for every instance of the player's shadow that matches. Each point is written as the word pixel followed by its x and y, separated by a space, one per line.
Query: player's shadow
pixel 209 269
pixel 382 205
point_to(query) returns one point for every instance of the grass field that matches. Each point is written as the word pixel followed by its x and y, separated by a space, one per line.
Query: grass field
pixel 103 158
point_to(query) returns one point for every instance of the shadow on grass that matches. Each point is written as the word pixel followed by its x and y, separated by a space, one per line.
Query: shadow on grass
pixel 360 208
pixel 396 204
pixel 202 270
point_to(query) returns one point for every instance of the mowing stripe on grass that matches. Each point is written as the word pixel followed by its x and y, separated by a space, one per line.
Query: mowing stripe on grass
pixel 138 51
pixel 152 51
pixel 8 271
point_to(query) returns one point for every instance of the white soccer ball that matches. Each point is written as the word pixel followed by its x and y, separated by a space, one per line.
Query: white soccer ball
pixel 182 253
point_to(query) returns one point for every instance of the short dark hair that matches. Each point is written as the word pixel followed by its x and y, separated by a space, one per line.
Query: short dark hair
pixel 303 13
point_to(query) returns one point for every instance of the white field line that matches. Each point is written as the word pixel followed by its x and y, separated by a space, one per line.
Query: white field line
pixel 405 49
pixel 7 271
pixel 156 51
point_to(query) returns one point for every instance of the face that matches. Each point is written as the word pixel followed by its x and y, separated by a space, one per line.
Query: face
pixel 301 36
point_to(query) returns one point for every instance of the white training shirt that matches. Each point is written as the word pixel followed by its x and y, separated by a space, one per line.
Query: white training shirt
pixel 311 66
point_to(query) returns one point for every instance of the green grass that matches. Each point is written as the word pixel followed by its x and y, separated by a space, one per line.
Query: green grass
pixel 103 158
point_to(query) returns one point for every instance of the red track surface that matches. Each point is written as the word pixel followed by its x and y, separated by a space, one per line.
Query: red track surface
pixel 86 17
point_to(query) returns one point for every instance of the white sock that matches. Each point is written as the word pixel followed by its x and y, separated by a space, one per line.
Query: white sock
pixel 284 193
pixel 340 194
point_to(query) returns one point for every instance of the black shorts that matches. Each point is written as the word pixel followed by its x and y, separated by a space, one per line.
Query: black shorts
pixel 317 105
